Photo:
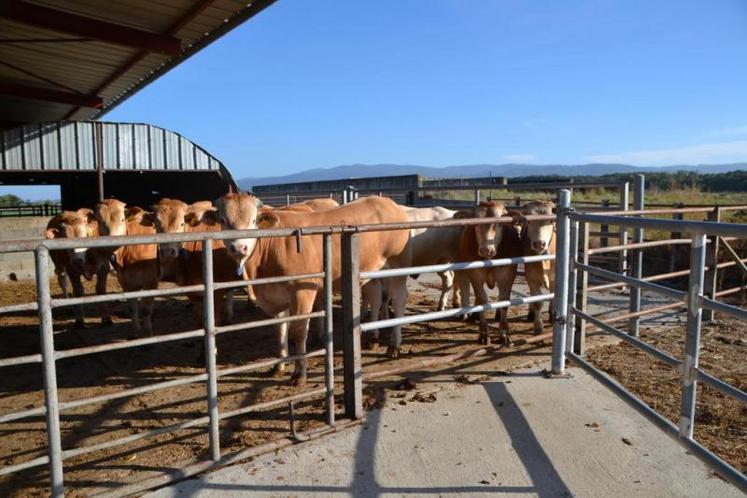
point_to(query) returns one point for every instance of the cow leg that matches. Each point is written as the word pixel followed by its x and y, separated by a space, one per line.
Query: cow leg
pixel 302 302
pixel 447 287
pixel 225 299
pixel 505 280
pixel 147 305
pixel 78 291
pixel 251 298
pixel 481 297
pixel 282 341
pixel 371 304
pixel 462 284
pixel 397 291
pixel 534 289
pixel 316 333
pixel 135 315
pixel 101 276
pixel 62 281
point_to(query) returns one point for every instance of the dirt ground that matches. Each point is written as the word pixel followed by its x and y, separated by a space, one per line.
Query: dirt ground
pixel 92 375
pixel 721 421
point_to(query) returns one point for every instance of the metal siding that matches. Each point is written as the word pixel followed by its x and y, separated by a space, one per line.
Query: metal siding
pixel 50 145
pixel 31 147
pixel 13 151
pixel 172 151
pixel 86 142
pixel 156 148
pixel 125 147
pixel 67 137
pixel 141 146
pixel 187 153
pixel 110 145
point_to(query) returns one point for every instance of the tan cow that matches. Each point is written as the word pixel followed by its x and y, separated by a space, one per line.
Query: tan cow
pixel 70 263
pixel 490 241
pixel 537 238
pixel 136 266
pixel 175 216
pixel 269 257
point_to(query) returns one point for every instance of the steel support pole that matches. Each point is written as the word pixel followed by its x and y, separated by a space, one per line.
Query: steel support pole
pixel 561 282
pixel 329 357
pixel 208 318
pixel 351 333
pixel 624 201
pixel 637 257
pixel 692 339
pixel 54 440
pixel 477 196
pixel 579 339
pixel 100 160
pixel 711 277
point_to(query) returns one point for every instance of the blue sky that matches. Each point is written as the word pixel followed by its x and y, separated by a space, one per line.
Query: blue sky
pixel 446 82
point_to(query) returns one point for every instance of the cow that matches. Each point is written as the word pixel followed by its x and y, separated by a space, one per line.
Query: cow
pixel 489 241
pixel 537 238
pixel 136 266
pixel 175 216
pixel 70 263
pixel 275 256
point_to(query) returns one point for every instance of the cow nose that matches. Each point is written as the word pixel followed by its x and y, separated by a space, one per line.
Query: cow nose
pixel 238 248
pixel 540 245
pixel 168 253
pixel 487 252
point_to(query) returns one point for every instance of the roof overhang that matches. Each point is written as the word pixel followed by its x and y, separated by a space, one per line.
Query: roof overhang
pixel 78 59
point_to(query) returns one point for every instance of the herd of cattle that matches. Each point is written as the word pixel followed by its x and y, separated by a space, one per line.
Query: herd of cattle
pixel 141 267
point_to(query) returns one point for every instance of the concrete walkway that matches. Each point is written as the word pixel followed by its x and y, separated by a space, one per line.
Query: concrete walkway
pixel 515 435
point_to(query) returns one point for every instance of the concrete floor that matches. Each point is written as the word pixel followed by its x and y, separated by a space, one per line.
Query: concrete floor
pixel 515 435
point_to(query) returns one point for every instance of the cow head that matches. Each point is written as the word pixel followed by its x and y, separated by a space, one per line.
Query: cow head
pixel 241 211
pixel 488 235
pixel 111 217
pixel 72 225
pixel 538 234
pixel 170 216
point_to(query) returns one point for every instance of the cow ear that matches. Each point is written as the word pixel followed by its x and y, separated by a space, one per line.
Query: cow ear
pixel 460 215
pixel 147 219
pixel 267 220
pixel 51 233
pixel 86 214
pixel 210 217
pixel 191 219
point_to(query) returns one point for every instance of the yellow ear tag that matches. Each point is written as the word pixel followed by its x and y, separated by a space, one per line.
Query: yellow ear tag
pixel 89 231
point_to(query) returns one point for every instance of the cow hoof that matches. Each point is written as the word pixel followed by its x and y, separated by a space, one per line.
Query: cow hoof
pixel 484 340
pixel 298 380
pixel 371 345
pixel 107 322
pixel 278 370
pixel 530 316
pixel 392 352
pixel 251 305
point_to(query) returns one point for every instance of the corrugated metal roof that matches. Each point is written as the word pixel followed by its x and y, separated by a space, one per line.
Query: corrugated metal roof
pixel 36 59
pixel 74 146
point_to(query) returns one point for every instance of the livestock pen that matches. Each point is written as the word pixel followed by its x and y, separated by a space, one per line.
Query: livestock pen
pixel 342 381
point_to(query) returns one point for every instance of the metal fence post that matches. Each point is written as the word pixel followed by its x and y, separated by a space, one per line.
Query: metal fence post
pixel 351 333
pixel 711 277
pixel 579 339
pixel 572 288
pixel 477 196
pixel 636 269
pixel 561 282
pixel 692 339
pixel 287 199
pixel 329 358
pixel 54 440
pixel 208 319
pixel 624 201
pixel 605 229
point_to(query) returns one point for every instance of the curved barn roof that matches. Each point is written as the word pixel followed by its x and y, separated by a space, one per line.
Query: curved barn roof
pixel 82 145
pixel 78 59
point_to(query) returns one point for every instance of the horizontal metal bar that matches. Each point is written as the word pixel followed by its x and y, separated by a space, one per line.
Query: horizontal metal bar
pixel 69 353
pixel 116 296
pixel 722 386
pixel 732 290
pixel 67 405
pixel 437 315
pixel 633 341
pixel 610 275
pixel 489 263
pixel 274 403
pixel 652 278
pixel 647 311
pixel 36 462
pixel 705 227
pixel 266 280
pixel 15 308
pixel 639 245
pixel 720 307
pixel 270 321
pixel 21 360
pixel 721 467
pixel 256 365
pixel 605 235
pixel 33 412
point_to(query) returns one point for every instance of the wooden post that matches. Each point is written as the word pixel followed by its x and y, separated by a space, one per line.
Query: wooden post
pixel 351 332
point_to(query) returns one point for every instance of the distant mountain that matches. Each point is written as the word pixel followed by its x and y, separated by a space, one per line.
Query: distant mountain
pixel 477 170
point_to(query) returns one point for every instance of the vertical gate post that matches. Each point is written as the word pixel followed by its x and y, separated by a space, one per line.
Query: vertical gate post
pixel 605 228
pixel 692 338
pixel 711 276
pixel 561 282
pixel 570 328
pixel 329 358
pixel 636 270
pixel 208 323
pixel 477 196
pixel 624 201
pixel 579 339
pixel 351 333
pixel 674 250
pixel 54 440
